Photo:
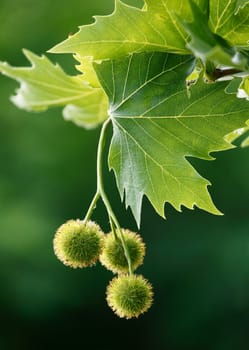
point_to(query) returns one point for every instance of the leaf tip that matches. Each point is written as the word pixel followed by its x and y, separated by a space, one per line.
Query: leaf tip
pixel 210 207
pixel 29 55
pixel 2 66
pixel 25 51
pixel 54 49
pixel 217 212
pixel 60 48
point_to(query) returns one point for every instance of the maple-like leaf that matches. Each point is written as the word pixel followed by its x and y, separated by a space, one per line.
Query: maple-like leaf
pixel 157 126
pixel 230 20
pixel 128 29
pixel 45 85
pixel 209 46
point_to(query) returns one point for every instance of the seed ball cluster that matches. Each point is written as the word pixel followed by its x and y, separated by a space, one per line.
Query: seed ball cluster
pixel 113 256
pixel 78 243
pixel 129 295
pixel 82 243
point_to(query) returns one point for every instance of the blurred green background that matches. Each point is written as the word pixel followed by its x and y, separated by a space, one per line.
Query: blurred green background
pixel 198 263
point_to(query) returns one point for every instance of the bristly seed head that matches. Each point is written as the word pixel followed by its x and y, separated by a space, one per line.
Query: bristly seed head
pixel 113 256
pixel 78 243
pixel 129 295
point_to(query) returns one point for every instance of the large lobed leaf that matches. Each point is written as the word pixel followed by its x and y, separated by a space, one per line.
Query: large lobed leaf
pixel 157 126
pixel 44 85
pixel 128 29
pixel 215 31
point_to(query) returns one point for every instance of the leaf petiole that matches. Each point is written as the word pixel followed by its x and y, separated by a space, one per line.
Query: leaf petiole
pixel 102 194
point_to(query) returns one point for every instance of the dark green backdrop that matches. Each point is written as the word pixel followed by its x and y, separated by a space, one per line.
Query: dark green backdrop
pixel 198 263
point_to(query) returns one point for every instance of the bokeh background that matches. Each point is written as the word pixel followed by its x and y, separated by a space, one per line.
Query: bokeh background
pixel 198 263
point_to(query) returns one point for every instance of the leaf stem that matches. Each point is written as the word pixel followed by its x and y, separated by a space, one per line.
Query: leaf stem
pixel 101 192
pixel 220 73
pixel 213 73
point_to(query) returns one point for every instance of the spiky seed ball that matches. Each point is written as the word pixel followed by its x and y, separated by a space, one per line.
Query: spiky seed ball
pixel 113 257
pixel 129 295
pixel 78 243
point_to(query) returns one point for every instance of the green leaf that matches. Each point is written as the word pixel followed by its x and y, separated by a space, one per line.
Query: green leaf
pixel 86 68
pixel 88 113
pixel 244 88
pixel 209 46
pixel 233 86
pixel 157 127
pixel 45 85
pixel 129 29
pixel 245 142
pixel 239 87
pixel 232 136
pixel 230 20
pixel 243 92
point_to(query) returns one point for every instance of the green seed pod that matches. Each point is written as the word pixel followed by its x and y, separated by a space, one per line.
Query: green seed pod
pixel 129 295
pixel 78 243
pixel 113 257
